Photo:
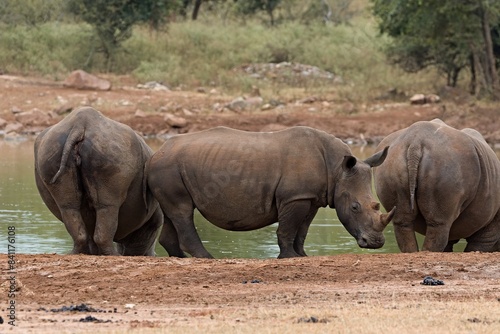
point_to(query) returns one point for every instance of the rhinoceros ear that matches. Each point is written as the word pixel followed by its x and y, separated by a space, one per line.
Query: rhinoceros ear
pixel 348 163
pixel 377 159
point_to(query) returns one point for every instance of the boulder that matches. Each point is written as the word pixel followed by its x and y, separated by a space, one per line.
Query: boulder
pixel 417 99
pixel 80 79
pixel 175 121
pixel 14 127
pixel 3 123
pixel 34 117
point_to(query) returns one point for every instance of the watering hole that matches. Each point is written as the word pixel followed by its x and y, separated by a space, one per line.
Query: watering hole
pixel 39 232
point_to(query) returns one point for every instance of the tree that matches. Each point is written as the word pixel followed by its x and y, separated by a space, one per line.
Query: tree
pixel 247 7
pixel 113 20
pixel 450 35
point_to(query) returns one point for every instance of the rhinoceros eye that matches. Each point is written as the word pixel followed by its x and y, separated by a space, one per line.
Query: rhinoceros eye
pixel 355 207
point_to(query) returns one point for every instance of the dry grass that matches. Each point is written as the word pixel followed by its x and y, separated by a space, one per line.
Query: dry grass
pixel 371 317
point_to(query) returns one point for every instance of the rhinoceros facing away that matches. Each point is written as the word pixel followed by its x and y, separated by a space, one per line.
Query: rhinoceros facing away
pixel 243 181
pixel 89 171
pixel 445 184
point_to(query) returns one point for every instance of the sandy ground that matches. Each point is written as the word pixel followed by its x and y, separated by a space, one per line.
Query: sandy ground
pixel 269 295
pixel 335 294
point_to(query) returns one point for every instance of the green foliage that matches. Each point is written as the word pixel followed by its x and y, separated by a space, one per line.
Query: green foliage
pixel 212 51
pixel 30 12
pixel 434 32
pixel 51 49
pixel 113 20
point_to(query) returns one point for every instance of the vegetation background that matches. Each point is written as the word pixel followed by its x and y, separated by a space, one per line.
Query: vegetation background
pixel 186 43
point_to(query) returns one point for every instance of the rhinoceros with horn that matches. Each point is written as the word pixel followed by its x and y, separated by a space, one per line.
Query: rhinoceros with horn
pixel 243 181
pixel 89 171
pixel 446 185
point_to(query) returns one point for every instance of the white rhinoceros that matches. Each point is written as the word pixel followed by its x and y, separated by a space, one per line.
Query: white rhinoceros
pixel 89 171
pixel 446 186
pixel 243 181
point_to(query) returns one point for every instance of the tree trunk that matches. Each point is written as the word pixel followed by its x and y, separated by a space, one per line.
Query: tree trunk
pixel 196 9
pixel 490 66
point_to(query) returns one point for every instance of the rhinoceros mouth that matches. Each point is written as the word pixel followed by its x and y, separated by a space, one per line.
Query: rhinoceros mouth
pixel 370 243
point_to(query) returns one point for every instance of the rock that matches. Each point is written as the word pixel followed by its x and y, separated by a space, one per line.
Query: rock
pixel 154 85
pixel 432 98
pixel 187 112
pixel 64 108
pixel 15 110
pixel 417 99
pixel 237 105
pixel 254 101
pixel 423 99
pixel 175 121
pixel 240 104
pixel 139 114
pixel 14 127
pixel 3 123
pixel 80 79
pixel 34 117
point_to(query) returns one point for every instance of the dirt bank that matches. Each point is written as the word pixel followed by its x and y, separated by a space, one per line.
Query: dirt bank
pixel 314 294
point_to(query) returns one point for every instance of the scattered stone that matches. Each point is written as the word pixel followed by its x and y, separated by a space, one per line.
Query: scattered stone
pixel 252 281
pixel 14 127
pixel 175 121
pixel 187 112
pixel 90 318
pixel 428 280
pixel 80 79
pixel 153 85
pixel 432 98
pixel 237 105
pixel 417 99
pixel 139 113
pixel 64 108
pixel 423 99
pixel 201 90
pixel 312 320
pixel 34 117
pixel 129 306
pixel 15 110
pixel 291 73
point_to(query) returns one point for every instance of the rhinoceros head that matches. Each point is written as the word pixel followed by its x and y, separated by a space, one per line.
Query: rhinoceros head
pixel 356 208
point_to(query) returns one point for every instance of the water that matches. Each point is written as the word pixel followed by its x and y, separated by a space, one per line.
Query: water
pixel 38 231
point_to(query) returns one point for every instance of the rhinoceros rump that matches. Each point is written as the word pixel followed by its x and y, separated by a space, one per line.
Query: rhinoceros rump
pixel 89 171
pixel 243 181
pixel 446 185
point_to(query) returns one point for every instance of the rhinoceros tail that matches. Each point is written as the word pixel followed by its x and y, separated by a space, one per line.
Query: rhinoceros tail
pixel 75 136
pixel 413 156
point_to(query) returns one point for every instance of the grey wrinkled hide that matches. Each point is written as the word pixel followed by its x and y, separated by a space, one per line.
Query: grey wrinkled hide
pixel 89 171
pixel 243 181
pixel 445 184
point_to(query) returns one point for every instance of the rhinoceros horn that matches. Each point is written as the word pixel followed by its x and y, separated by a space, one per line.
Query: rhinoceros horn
pixel 385 218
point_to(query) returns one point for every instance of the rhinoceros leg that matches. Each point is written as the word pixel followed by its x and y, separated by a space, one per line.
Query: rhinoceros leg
pixel 169 239
pixel 436 237
pixel 75 226
pixel 486 239
pixel 404 230
pixel 298 244
pixel 105 229
pixel 142 241
pixel 290 218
